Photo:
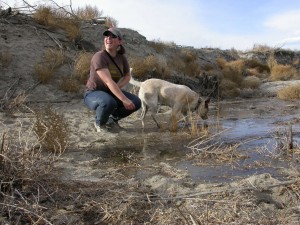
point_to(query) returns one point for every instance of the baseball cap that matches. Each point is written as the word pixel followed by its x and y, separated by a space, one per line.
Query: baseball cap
pixel 114 31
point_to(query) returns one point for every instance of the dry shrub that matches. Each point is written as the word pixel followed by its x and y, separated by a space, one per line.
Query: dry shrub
pixel 229 89
pixel 158 45
pixel 153 65
pixel 260 67
pixel 192 69
pixel 25 177
pixel 256 73
pixel 110 22
pixel 176 63
pixel 44 72
pixel 72 28
pixel 251 82
pixel 58 18
pixel 189 65
pixel 52 130
pixel 82 66
pixel 52 60
pixel 290 92
pixel 5 59
pixel 262 48
pixel 140 70
pixel 11 105
pixel 283 72
pixel 88 12
pixel 70 85
pixel 271 61
pixel 233 75
pixel 296 62
pixel 208 67
pixel 188 56
pixel 238 65
pixel 55 57
pixel 221 62
pixel 158 65
pixel 233 70
pixel 45 15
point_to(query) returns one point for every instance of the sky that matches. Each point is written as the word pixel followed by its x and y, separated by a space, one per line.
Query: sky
pixel 224 24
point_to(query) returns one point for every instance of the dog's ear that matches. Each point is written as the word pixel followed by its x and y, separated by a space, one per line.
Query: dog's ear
pixel 206 101
pixel 130 70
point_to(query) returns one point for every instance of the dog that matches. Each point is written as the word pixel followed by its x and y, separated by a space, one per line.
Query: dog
pixel 180 98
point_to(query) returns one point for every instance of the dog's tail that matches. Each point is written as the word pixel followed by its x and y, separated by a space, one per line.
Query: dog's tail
pixel 133 81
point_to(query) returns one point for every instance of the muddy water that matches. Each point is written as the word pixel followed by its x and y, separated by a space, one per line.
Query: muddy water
pixel 255 124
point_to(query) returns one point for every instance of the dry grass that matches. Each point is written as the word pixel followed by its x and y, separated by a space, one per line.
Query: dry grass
pixel 263 48
pixel 152 65
pixel 44 72
pixel 229 89
pixel 5 59
pixel 52 130
pixel 71 26
pixel 25 174
pixel 82 66
pixel 289 93
pixel 45 15
pixel 252 82
pixel 255 64
pixel 283 72
pixel 54 57
pixel 205 150
pixel 158 45
pixel 110 22
pixel 52 60
pixel 58 18
pixel 186 63
pixel 70 85
pixel 88 12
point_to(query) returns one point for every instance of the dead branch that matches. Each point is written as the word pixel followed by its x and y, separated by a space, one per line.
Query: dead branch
pixel 27 211
pixel 55 40
pixel 249 188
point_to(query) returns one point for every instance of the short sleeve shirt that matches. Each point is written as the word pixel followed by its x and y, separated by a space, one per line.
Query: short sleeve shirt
pixel 101 60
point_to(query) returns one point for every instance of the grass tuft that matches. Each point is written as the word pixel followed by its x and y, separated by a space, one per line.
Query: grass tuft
pixel 52 130
pixel 44 72
pixel 82 66
pixel 289 93
pixel 88 12
pixel 70 85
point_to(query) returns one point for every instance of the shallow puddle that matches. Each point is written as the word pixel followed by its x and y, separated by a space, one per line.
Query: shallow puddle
pixel 256 130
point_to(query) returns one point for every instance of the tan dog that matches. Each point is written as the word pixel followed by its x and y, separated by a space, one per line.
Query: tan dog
pixel 179 97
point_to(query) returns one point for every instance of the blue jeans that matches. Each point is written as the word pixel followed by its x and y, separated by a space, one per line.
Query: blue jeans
pixel 107 104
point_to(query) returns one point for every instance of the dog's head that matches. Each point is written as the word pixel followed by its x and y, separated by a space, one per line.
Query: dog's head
pixel 202 109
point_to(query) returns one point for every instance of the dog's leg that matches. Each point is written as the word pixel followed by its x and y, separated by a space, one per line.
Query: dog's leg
pixel 143 114
pixel 173 119
pixel 153 108
pixel 153 117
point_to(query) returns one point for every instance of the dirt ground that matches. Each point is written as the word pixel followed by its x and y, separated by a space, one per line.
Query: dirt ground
pixel 132 176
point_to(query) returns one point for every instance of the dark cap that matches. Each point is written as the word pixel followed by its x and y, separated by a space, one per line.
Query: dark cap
pixel 114 31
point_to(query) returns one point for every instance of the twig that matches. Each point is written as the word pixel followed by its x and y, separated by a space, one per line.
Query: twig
pixel 27 211
pixel 225 190
pixel 55 40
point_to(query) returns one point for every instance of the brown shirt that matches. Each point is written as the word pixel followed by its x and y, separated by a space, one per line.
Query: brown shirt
pixel 101 60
